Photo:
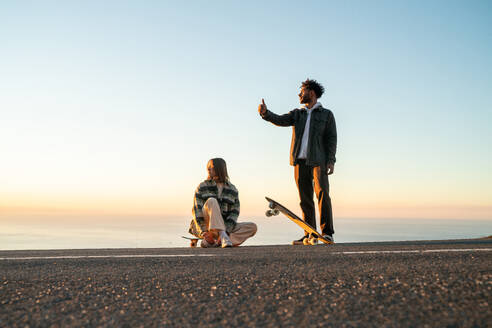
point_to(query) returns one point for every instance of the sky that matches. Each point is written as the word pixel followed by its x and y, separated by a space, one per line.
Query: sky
pixel 116 106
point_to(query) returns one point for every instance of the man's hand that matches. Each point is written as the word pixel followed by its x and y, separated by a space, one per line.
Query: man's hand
pixel 262 107
pixel 330 168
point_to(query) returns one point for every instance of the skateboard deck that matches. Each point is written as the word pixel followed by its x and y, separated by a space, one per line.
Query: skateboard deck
pixel 193 240
pixel 276 208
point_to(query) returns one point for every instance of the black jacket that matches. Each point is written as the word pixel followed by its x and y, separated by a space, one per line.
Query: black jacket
pixel 322 145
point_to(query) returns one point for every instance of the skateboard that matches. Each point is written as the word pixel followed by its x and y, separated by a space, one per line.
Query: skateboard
pixel 193 240
pixel 276 208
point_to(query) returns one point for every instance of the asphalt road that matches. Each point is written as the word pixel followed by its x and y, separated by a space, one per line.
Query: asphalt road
pixel 412 284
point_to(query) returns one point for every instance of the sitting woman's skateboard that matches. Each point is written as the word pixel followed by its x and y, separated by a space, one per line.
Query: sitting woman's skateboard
pixel 193 240
pixel 276 208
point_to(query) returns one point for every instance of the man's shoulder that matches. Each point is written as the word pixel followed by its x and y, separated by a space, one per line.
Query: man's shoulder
pixel 324 109
pixel 326 112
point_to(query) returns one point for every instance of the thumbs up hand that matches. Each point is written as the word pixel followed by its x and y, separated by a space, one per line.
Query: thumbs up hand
pixel 262 108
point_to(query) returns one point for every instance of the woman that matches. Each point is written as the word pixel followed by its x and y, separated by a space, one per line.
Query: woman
pixel 216 209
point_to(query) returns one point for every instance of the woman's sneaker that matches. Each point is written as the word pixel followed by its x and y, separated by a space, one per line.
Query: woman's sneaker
pixel 208 240
pixel 226 241
pixel 205 244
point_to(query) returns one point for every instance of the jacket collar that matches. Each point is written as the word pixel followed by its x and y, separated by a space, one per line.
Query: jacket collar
pixel 317 105
pixel 212 181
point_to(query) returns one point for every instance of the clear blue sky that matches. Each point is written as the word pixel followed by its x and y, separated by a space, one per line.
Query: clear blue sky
pixel 117 105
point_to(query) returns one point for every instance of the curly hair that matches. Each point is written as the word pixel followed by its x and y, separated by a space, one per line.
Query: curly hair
pixel 315 86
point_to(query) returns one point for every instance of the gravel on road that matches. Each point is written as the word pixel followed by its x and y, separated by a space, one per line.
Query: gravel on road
pixel 419 284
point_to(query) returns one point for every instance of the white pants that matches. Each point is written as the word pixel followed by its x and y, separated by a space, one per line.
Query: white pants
pixel 215 221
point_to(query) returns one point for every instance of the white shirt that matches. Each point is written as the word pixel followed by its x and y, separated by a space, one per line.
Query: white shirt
pixel 220 187
pixel 305 136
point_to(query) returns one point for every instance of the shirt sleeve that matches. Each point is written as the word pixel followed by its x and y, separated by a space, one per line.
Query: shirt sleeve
pixel 198 203
pixel 280 120
pixel 331 140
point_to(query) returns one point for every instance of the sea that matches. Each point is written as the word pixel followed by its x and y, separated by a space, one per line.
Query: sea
pixel 79 232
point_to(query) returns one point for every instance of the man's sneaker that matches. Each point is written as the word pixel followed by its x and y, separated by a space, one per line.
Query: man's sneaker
pixel 300 241
pixel 329 238
pixel 311 240
pixel 226 241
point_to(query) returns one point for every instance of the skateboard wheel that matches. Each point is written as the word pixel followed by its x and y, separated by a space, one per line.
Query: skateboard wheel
pixel 193 243
pixel 268 213
pixel 276 212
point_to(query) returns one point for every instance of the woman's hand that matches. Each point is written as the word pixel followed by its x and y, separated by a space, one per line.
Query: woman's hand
pixel 209 237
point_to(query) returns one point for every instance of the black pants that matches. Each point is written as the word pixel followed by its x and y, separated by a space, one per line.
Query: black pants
pixel 305 175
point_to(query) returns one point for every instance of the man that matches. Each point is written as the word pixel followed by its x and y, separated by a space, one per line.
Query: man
pixel 312 153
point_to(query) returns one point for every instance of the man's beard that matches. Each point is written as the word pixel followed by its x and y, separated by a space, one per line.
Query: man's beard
pixel 305 99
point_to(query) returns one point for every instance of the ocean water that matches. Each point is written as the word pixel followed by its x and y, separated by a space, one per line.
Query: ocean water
pixel 77 232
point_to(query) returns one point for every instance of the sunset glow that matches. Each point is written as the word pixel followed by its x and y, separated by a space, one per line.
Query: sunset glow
pixel 119 113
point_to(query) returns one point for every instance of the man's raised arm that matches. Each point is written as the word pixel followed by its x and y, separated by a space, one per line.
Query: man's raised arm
pixel 280 120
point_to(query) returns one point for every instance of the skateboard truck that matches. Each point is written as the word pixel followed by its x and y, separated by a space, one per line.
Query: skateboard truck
pixel 272 211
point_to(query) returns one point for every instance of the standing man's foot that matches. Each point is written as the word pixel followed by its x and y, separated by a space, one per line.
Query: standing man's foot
pixel 330 238
pixel 300 241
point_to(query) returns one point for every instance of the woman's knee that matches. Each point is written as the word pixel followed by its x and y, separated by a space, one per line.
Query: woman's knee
pixel 253 228
pixel 211 201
